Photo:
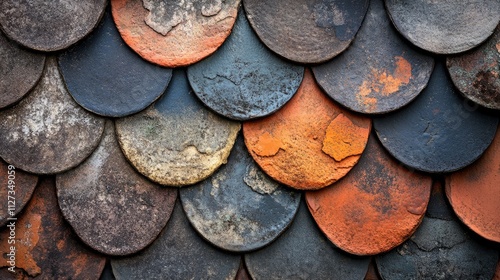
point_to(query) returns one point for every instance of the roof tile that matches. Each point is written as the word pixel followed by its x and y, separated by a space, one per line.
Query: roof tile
pixel 292 145
pixel 110 206
pixel 47 132
pixel 375 207
pixel 49 25
pixel 179 35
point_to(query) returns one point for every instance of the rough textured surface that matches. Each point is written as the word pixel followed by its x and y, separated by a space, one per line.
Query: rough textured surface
pixel 444 27
pixel 20 71
pixel 497 273
pixel 243 273
pixel 111 207
pixel 177 141
pixel 177 32
pixel 373 209
pixel 474 192
pixel 477 73
pixel 178 253
pixel 243 79
pixel 46 246
pixel 49 25
pixel 439 131
pixel 106 77
pixel 303 252
pixel 294 145
pixel 439 249
pixel 379 72
pixel 47 132
pixel 226 209
pixel 16 187
pixel 306 31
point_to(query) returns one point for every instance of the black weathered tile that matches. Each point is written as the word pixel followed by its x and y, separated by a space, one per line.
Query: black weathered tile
pixel 20 71
pixel 178 253
pixel 227 208
pixel 444 27
pixel 176 32
pixel 16 187
pixel 439 249
pixel 49 25
pixel 177 141
pixel 476 73
pixel 46 247
pixel 243 79
pixel 439 131
pixel 106 77
pixel 111 207
pixel 375 207
pixel 47 132
pixel 306 31
pixel 303 252
pixel 379 72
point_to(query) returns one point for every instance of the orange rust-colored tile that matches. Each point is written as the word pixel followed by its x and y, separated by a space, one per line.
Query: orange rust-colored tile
pixel 45 246
pixel 177 37
pixel 376 207
pixel 311 142
pixel 474 193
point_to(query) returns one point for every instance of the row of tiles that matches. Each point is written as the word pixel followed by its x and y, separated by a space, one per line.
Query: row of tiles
pixel 378 71
pixel 450 138
pixel 47 248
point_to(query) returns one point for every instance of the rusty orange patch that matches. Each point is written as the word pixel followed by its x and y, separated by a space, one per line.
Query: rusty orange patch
pixel 373 209
pixel 474 193
pixel 383 83
pixel 289 145
pixel 267 145
pixel 46 246
pixel 342 139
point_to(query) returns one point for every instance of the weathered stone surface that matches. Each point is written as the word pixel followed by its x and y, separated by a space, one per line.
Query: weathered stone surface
pixel 174 33
pixel 49 25
pixel 375 207
pixel 379 72
pixel 47 132
pixel 111 207
pixel 20 71
pixel 440 249
pixel 176 141
pixel 306 31
pixel 227 208
pixel 46 247
pixel 439 131
pixel 178 253
pixel 302 252
pixel 474 192
pixel 476 73
pixel 16 188
pixel 106 77
pixel 300 145
pixel 444 27
pixel 243 79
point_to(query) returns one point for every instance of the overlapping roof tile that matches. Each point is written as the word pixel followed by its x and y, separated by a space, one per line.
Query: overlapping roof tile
pixel 255 157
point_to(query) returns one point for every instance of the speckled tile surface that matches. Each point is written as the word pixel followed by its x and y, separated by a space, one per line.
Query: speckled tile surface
pixel 210 139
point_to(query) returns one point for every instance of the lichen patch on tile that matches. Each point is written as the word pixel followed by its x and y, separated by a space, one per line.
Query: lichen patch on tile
pixel 47 132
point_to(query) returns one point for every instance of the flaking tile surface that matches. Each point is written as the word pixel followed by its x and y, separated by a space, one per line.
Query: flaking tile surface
pixel 174 33
pixel 311 142
pixel 47 132
pixel 179 132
